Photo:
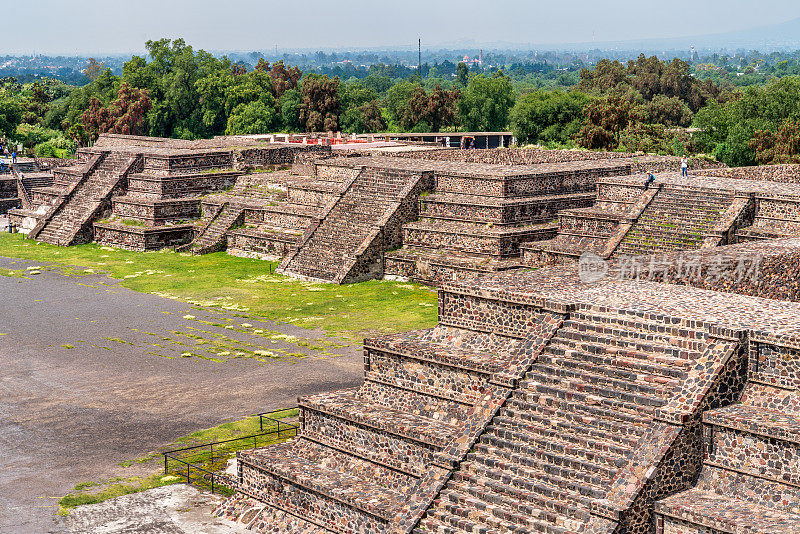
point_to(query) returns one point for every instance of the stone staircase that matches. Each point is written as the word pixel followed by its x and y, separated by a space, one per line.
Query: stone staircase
pixel 212 235
pixel 69 222
pixel 363 453
pixel 568 430
pixel 676 219
pixel 750 481
pixel 355 228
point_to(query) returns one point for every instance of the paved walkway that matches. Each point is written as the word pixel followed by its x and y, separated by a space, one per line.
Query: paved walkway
pixel 92 374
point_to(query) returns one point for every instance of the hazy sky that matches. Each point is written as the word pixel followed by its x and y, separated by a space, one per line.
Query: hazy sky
pixel 87 26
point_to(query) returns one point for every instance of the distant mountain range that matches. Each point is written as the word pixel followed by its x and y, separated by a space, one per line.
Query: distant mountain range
pixel 782 36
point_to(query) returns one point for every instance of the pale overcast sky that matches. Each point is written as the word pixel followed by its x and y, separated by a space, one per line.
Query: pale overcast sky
pixel 111 26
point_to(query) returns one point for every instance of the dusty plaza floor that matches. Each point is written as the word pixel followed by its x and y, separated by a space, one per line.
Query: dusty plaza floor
pixel 92 374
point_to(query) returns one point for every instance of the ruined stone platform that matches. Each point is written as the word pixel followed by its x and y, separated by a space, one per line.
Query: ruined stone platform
pixel 544 403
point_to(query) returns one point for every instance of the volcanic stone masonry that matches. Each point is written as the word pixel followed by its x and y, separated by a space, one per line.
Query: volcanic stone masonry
pixel 431 215
pixel 542 403
pixel 632 217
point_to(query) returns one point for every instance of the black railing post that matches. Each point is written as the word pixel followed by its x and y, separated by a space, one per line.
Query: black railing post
pixel 261 422
pixel 212 483
pixel 187 473
pixel 165 464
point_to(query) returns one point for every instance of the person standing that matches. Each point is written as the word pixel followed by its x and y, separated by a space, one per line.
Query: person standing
pixel 14 158
pixel 684 167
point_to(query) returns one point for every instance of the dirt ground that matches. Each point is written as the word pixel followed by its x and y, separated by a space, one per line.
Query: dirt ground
pixel 92 374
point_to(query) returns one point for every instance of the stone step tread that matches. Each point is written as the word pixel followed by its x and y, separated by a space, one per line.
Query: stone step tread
pixel 576 481
pixel 528 492
pixel 574 388
pixel 629 382
pixel 727 514
pixel 757 420
pixel 620 432
pixel 346 405
pixel 506 514
pixel 558 406
pixel 614 364
pixel 444 352
pixel 642 348
pixel 637 324
pixel 538 481
pixel 333 474
pixel 566 434
pixel 497 444
pixel 439 521
pixel 589 451
pixel 565 400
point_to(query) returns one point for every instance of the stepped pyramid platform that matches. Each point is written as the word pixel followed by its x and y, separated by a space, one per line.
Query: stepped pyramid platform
pixel 479 216
pixel 540 403
pixel 141 193
pixel 366 202
pixel 674 213
pixel 17 181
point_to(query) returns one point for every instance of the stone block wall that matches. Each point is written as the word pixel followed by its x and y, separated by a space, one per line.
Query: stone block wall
pixel 156 212
pixel 142 239
pixel 187 185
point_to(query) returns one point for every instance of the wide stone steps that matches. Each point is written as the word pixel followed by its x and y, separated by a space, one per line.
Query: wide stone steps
pixel 572 447
pixel 584 392
pixel 597 425
pixel 489 509
pixel 614 379
pixel 569 480
pixel 564 435
pixel 564 474
pixel 398 439
pixel 547 456
pixel 531 492
pixel 627 325
pixel 657 352
pixel 612 364
pixel 591 414
pixel 559 401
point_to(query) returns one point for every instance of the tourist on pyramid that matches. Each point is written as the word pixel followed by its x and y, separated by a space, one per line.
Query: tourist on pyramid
pixel 14 158
pixel 684 167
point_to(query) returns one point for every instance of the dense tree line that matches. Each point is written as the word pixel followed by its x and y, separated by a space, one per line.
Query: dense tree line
pixel 644 105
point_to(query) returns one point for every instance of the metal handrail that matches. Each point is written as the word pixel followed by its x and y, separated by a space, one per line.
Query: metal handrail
pixel 217 477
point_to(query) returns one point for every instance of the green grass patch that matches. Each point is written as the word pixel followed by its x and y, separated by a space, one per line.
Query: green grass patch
pixel 246 286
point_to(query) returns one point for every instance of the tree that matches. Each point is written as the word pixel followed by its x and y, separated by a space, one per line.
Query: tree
pixel 253 118
pixel 10 116
pixel 129 110
pixel 669 111
pixel 94 69
pixel 284 79
pixel 485 104
pixel 366 118
pixel 436 110
pixel 782 146
pixel 289 105
pixel 462 75
pixel 605 120
pixel 548 116
pixel 319 109
pixel 397 101
pixel 125 115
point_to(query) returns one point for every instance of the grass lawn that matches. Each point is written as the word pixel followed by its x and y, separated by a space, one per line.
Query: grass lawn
pixel 98 491
pixel 244 286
